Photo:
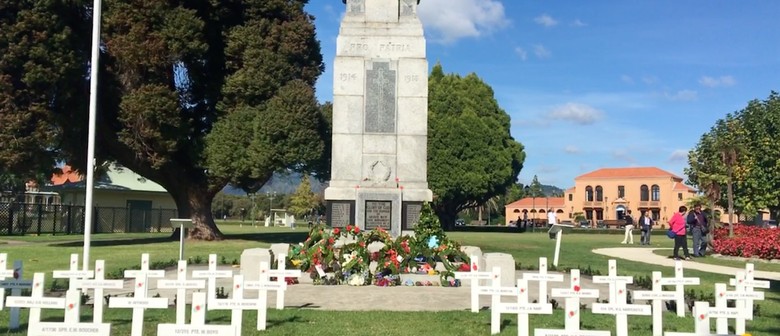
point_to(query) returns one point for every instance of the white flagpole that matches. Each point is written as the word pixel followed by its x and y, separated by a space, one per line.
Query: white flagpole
pixel 93 90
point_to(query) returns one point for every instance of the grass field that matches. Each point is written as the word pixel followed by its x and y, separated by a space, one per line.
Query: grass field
pixel 123 251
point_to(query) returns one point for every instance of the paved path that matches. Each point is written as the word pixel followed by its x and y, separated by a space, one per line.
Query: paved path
pixel 342 297
pixel 647 256
pixel 402 298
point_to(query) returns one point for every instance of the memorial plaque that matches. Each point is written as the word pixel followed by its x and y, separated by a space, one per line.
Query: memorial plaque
pixel 341 213
pixel 378 214
pixel 411 215
pixel 408 7
pixel 355 7
pixel 380 98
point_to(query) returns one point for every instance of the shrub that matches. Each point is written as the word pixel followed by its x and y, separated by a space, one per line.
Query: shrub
pixel 748 242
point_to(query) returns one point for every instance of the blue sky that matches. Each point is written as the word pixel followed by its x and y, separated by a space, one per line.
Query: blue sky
pixel 592 84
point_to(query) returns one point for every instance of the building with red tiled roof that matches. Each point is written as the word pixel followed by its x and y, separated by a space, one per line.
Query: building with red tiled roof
pixel 609 194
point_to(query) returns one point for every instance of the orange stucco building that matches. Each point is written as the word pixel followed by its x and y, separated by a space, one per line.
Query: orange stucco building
pixel 608 194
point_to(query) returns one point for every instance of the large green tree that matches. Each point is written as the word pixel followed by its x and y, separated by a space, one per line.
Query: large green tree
pixel 472 156
pixel 193 94
pixel 738 159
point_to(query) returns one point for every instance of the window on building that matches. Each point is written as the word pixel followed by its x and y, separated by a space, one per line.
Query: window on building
pixel 571 197
pixel 656 214
pixel 589 214
pixel 588 194
pixel 621 192
pixel 679 196
pixel 656 190
pixel 599 214
pixel 599 194
pixel 644 193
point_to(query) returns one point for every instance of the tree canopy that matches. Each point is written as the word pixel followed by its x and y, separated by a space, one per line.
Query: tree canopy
pixel 193 94
pixel 737 160
pixel 472 156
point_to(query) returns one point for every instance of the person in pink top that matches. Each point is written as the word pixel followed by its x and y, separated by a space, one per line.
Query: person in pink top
pixel 677 225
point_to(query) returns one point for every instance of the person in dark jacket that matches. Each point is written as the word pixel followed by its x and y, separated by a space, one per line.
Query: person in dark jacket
pixel 699 226
pixel 646 225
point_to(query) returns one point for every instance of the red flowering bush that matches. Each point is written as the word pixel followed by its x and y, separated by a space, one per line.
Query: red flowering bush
pixel 748 242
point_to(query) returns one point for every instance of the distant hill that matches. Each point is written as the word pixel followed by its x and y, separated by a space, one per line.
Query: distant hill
pixel 550 190
pixel 281 184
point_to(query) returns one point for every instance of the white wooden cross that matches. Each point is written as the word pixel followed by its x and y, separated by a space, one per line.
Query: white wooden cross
pixel 73 273
pixel 496 291
pixel 237 304
pixel 680 281
pixel 741 296
pixel 543 277
pixel 617 284
pixel 475 275
pixel 139 302
pixel 197 324
pixel 4 273
pixel 281 273
pixel 36 300
pixel 749 283
pixel 72 325
pixel 617 289
pixel 212 274
pixel 145 271
pixel 573 294
pixel 702 312
pixel 658 296
pixel 523 307
pixel 16 284
pixel 181 284
pixel 98 284
pixel 262 286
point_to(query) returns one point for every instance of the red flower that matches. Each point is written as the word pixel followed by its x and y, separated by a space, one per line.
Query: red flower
pixel 336 231
pixel 349 228
pixel 357 230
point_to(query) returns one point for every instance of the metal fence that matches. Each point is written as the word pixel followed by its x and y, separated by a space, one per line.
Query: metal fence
pixel 25 218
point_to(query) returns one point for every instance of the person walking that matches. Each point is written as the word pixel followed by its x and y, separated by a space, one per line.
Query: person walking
pixel 629 237
pixel 646 225
pixel 697 221
pixel 677 225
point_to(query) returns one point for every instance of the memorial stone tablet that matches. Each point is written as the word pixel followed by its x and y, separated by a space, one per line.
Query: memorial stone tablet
pixel 378 214
pixel 340 214
pixel 411 214
pixel 380 98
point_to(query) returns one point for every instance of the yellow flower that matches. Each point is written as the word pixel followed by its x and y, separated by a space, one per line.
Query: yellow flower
pixel 296 262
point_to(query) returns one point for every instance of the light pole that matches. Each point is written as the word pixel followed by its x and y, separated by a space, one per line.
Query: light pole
pixel 271 196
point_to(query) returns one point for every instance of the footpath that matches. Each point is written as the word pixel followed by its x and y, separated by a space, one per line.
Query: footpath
pixel 646 255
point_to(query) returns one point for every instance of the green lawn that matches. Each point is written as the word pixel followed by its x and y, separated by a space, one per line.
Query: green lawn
pixel 48 253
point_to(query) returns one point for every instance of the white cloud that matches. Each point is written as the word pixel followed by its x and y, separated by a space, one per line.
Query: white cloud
pixel 450 20
pixel 678 155
pixel 545 20
pixel 541 52
pixel 712 82
pixel 521 53
pixel 627 79
pixel 622 155
pixel 682 95
pixel 571 149
pixel 578 23
pixel 649 80
pixel 577 113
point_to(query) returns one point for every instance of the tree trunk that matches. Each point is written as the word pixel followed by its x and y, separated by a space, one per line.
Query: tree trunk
pixel 479 215
pixel 730 196
pixel 446 216
pixel 195 203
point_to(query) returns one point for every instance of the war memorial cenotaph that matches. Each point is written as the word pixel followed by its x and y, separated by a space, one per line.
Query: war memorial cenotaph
pixel 380 118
